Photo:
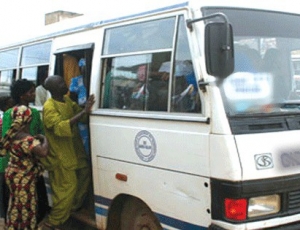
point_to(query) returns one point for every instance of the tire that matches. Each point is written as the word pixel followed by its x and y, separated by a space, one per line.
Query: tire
pixel 137 216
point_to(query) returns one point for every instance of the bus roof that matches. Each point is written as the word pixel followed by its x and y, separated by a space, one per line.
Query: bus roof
pixel 85 22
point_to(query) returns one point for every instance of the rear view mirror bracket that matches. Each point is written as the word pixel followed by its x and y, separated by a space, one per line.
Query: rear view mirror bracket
pixel 218 45
pixel 190 22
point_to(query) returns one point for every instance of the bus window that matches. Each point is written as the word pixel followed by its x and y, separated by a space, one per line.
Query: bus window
pixel 9 59
pixel 8 66
pixel 34 56
pixel 134 83
pixel 30 74
pixel 185 96
pixel 152 35
pixel 6 77
pixel 142 81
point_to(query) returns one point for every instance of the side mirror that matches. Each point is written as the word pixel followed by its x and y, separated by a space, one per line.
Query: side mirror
pixel 219 53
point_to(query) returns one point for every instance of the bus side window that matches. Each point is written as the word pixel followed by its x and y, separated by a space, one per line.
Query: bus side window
pixel 30 73
pixel 185 95
pixel 7 77
pixel 116 84
pixel 106 85
pixel 142 86
pixel 8 68
pixel 142 81
pixel 133 83
pixel 34 56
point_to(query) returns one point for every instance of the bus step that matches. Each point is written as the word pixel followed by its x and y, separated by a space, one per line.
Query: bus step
pixel 77 221
pixel 85 217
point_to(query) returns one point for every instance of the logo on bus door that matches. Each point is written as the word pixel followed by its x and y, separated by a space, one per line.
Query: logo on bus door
pixel 145 146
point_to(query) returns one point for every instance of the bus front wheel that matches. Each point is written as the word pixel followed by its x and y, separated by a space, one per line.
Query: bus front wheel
pixel 136 215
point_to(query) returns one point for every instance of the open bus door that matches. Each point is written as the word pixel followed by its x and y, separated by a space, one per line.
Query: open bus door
pixel 66 65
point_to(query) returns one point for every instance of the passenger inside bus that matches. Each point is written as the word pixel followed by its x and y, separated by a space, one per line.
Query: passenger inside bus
pixel 140 92
pixel 184 86
pixel 158 91
pixel 78 93
pixel 70 68
pixel 275 64
pixel 257 82
pixel 145 87
pixel 247 60
pixel 41 94
pixel 185 89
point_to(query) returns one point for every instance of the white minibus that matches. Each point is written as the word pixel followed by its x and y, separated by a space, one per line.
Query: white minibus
pixel 196 123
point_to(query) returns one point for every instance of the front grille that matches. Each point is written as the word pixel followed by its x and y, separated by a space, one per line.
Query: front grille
pixel 294 202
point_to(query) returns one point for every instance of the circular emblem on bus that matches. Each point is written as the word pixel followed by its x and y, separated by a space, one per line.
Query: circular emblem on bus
pixel 264 161
pixel 145 146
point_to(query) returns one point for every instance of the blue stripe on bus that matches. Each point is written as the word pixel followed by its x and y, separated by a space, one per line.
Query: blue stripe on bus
pixel 102 200
pixel 145 13
pixel 175 223
pixel 103 22
pixel 101 211
pixel 166 220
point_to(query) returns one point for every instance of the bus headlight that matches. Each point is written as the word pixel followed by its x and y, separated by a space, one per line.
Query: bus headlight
pixel 263 205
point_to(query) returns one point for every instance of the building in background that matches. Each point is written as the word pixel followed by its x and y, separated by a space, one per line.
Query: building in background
pixel 58 16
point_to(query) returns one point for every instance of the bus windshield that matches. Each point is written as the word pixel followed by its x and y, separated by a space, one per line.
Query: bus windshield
pixel 266 77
